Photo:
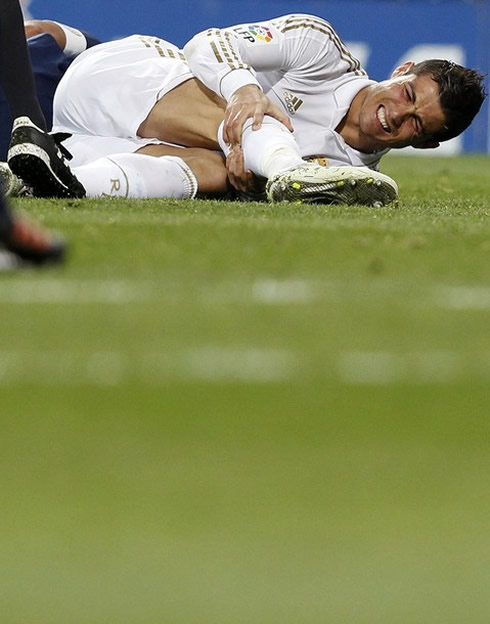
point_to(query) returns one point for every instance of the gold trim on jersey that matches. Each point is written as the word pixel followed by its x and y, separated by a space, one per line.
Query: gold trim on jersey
pixel 223 49
pixel 153 42
pixel 296 22
pixel 216 52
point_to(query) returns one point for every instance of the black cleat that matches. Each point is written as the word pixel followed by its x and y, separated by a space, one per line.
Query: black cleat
pixel 33 245
pixel 35 157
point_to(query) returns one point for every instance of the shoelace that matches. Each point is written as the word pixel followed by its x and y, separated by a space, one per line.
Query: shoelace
pixel 59 137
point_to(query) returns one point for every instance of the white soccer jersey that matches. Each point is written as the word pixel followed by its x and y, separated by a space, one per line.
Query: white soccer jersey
pixel 298 60
pixel 301 64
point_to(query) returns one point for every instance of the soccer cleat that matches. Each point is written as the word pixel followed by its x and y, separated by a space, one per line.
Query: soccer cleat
pixel 33 245
pixel 34 157
pixel 331 185
pixel 10 184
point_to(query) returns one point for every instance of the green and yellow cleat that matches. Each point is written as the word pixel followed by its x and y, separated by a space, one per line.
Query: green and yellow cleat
pixel 312 183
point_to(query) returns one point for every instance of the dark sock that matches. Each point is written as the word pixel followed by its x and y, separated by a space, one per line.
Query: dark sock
pixel 15 65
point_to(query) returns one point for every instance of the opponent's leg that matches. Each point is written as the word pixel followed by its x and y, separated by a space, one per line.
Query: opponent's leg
pixel 15 66
pixel 32 152
pixel 28 242
pixel 35 158
pixel 33 155
pixel 25 241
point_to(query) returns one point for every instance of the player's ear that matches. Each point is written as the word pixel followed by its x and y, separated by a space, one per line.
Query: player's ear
pixel 402 69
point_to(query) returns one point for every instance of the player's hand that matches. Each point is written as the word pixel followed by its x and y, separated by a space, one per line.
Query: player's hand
pixel 249 102
pixel 242 179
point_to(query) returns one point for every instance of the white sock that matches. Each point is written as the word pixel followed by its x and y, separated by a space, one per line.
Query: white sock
pixel 137 176
pixel 267 150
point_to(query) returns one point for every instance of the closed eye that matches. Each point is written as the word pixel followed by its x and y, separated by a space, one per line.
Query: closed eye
pixel 411 97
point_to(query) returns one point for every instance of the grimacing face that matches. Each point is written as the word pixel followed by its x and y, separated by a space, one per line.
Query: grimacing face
pixel 401 111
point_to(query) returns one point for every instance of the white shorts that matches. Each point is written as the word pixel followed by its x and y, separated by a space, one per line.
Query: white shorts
pixel 109 90
pixel 86 148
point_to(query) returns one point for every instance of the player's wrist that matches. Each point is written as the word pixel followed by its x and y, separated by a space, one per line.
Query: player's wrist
pixel 75 40
pixel 235 80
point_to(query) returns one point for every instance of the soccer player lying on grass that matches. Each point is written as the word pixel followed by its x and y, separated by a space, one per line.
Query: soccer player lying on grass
pixel 266 96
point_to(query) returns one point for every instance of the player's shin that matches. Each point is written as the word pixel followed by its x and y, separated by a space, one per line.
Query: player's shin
pixel 269 149
pixel 138 176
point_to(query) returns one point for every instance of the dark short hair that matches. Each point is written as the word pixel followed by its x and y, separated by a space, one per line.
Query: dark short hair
pixel 461 94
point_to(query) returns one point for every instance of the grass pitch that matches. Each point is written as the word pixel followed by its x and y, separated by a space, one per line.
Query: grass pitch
pixel 228 413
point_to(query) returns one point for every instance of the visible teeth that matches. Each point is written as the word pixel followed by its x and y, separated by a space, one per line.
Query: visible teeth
pixel 382 118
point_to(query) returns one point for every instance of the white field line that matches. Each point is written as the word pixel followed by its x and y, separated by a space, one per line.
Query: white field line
pixel 112 368
pixel 286 292
pixel 464 297
pixel 262 291
pixel 236 364
pixel 386 368
pixel 60 291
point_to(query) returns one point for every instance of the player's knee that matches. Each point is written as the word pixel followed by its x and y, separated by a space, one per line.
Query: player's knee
pixel 210 171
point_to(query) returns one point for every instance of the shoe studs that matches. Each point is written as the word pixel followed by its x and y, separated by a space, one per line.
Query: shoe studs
pixel 339 185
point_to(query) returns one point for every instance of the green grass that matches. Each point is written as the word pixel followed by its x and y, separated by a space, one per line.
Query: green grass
pixel 227 413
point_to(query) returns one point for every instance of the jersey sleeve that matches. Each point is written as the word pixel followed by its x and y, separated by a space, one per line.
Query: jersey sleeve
pixel 229 58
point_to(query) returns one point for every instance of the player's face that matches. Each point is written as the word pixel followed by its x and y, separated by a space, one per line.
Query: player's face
pixel 402 111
